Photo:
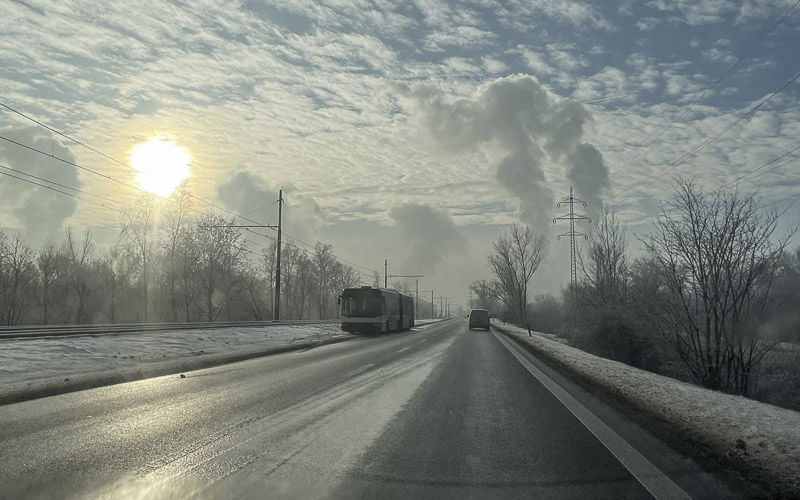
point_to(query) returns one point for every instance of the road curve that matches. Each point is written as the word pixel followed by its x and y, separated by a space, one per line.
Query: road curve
pixel 437 412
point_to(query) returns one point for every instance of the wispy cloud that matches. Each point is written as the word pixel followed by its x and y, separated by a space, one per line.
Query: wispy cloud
pixel 295 93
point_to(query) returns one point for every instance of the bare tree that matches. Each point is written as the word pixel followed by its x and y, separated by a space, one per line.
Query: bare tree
pixel 289 263
pixel 51 264
pixel 345 277
pixel 115 271
pixel 254 291
pixel 219 258
pixel 79 272
pixel 268 258
pixel 174 226
pixel 324 267
pixel 305 284
pixel 187 256
pixel 17 277
pixel 605 267
pixel 485 295
pixel 137 224
pixel 517 256
pixel 545 313
pixel 720 259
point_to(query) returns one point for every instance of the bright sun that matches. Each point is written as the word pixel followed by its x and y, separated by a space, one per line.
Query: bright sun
pixel 162 165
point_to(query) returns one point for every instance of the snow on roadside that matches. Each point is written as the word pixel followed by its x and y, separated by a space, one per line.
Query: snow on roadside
pixel 761 437
pixel 523 331
pixel 23 361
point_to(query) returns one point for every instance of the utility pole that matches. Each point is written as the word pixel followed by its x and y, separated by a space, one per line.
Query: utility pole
pixel 276 310
pixel 410 276
pixel 572 217
pixel 385 273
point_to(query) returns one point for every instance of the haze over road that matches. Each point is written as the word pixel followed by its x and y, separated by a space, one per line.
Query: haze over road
pixel 439 411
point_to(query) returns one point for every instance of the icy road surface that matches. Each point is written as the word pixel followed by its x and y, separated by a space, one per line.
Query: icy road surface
pixel 438 412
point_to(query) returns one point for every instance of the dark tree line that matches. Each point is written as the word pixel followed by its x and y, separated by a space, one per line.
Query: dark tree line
pixel 165 267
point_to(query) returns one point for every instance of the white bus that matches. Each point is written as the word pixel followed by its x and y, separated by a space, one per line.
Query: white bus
pixel 376 310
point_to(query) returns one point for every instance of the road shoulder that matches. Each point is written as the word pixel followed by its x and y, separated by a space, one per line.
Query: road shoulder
pixel 688 419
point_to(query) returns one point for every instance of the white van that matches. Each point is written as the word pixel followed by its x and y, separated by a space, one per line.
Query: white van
pixel 479 318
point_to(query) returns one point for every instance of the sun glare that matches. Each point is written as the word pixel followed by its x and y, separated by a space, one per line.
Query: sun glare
pixel 162 165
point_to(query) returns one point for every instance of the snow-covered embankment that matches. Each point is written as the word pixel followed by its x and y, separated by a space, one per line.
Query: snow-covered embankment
pixel 758 441
pixel 45 366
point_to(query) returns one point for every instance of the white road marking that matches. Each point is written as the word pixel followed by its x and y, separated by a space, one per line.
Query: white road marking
pixel 403 349
pixel 422 340
pixel 650 476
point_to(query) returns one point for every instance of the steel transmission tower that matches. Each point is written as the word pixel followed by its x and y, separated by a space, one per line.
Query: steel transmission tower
pixel 572 217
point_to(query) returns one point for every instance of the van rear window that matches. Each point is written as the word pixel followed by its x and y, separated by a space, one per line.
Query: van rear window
pixel 480 315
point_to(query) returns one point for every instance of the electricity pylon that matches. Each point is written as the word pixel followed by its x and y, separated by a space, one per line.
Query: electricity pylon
pixel 572 217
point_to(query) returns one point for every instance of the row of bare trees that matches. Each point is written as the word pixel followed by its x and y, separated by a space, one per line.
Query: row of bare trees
pixel 517 255
pixel 165 266
pixel 710 297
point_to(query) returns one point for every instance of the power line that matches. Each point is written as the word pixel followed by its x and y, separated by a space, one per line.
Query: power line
pixel 764 166
pixel 707 142
pixel 743 176
pixel 338 258
pixel 60 191
pixel 51 129
pixel 190 195
pixel 92 171
pixel 701 96
pixel 121 211
pixel 56 183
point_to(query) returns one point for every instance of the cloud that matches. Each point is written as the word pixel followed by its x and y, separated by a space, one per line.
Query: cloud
pixel 517 116
pixel 715 54
pixel 39 211
pixel 697 13
pixel 428 234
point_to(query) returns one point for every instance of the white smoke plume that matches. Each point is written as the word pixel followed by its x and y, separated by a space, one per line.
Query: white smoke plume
pixel 517 116
pixel 428 235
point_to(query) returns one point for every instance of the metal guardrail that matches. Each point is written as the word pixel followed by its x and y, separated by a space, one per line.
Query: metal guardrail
pixel 31 331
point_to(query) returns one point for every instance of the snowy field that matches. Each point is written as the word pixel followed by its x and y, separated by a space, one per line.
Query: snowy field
pixel 753 436
pixel 31 364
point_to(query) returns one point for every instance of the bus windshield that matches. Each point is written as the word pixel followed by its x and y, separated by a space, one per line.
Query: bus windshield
pixel 362 306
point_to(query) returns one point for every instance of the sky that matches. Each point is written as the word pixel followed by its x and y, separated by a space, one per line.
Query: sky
pixel 414 131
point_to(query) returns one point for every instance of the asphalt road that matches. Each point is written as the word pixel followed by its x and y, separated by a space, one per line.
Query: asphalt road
pixel 437 412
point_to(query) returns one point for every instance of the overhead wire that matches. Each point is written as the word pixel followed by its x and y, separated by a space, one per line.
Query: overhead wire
pixel 748 174
pixel 707 90
pixel 705 143
pixel 95 172
pixel 60 191
pixel 11 169
pixel 109 177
